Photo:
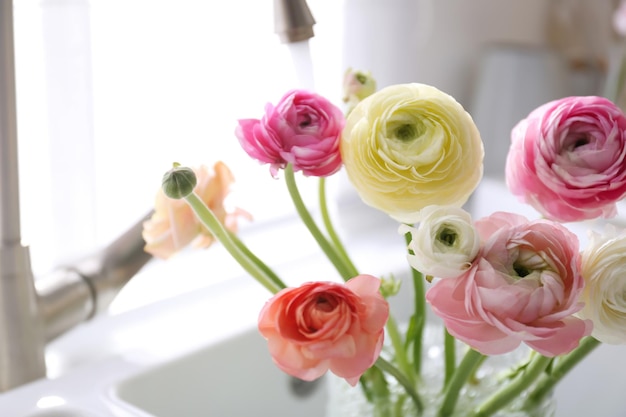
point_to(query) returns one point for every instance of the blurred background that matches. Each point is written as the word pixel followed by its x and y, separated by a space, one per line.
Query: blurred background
pixel 110 93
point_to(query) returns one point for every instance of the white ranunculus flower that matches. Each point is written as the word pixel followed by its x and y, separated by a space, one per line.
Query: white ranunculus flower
pixel 444 244
pixel 604 271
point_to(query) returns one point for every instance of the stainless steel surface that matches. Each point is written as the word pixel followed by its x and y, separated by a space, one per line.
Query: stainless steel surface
pixel 21 335
pixel 32 314
pixel 74 293
pixel 293 21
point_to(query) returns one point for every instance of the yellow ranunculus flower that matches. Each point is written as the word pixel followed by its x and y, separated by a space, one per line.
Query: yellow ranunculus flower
pixel 409 146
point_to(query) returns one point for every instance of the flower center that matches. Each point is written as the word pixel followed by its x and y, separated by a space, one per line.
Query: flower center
pixel 323 304
pixel 521 270
pixel 407 132
pixel 361 78
pixel 447 236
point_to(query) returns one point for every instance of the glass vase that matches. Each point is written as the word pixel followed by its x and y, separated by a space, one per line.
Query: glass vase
pixel 347 401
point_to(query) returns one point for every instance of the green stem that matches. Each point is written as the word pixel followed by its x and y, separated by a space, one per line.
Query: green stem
pixel 464 371
pixel 387 367
pixel 307 219
pixel 206 216
pixel 514 389
pixel 563 366
pixel 262 265
pixel 398 347
pixel 419 314
pixel 334 237
pixel 449 346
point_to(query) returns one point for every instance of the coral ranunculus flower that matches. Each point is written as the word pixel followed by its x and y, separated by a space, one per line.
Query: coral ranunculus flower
pixel 523 287
pixel 174 225
pixel 302 129
pixel 323 326
pixel 568 159
pixel 409 146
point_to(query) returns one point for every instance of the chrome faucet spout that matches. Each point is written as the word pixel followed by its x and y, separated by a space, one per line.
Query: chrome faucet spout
pixel 293 21
pixel 74 293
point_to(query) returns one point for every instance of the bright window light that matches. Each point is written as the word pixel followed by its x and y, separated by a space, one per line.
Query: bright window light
pixel 111 92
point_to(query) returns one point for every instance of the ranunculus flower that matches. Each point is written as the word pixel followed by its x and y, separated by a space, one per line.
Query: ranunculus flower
pixel 568 158
pixel 523 287
pixel 322 326
pixel 409 146
pixel 357 85
pixel 444 244
pixel 173 224
pixel 604 271
pixel 302 129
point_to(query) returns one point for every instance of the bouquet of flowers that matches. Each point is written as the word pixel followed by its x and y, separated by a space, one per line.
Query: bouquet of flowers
pixel 413 152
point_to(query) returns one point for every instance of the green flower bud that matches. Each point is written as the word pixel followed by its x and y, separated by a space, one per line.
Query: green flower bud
pixel 179 182
pixel 390 286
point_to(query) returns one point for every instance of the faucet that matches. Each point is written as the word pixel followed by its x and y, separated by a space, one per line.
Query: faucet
pixel 293 21
pixel 35 311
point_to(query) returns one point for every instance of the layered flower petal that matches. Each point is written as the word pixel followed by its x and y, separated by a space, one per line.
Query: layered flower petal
pixel 568 158
pixel 323 326
pixel 524 287
pixel 409 146
pixel 302 129
pixel 445 242
pixel 604 271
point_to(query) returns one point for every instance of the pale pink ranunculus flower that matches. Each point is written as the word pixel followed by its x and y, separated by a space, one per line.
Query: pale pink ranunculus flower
pixel 523 287
pixel 568 158
pixel 302 129
pixel 173 225
pixel 323 326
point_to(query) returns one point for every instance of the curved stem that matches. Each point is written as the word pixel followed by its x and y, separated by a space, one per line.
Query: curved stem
pixel 262 265
pixel 387 367
pixel 307 219
pixel 398 348
pixel 206 216
pixel 563 366
pixel 514 389
pixel 466 368
pixel 334 237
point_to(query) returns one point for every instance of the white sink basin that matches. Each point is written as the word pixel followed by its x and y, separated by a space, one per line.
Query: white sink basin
pixel 232 378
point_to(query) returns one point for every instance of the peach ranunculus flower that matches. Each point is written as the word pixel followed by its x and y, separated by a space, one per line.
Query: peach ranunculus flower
pixel 523 287
pixel 302 129
pixel 568 158
pixel 323 326
pixel 604 271
pixel 445 242
pixel 174 225
pixel 409 146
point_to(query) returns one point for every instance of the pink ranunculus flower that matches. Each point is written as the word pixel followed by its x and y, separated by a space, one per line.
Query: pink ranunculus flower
pixel 302 129
pixel 173 224
pixel 323 326
pixel 568 158
pixel 524 286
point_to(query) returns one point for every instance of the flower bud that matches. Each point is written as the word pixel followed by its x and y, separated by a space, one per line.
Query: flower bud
pixel 179 182
pixel 357 85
